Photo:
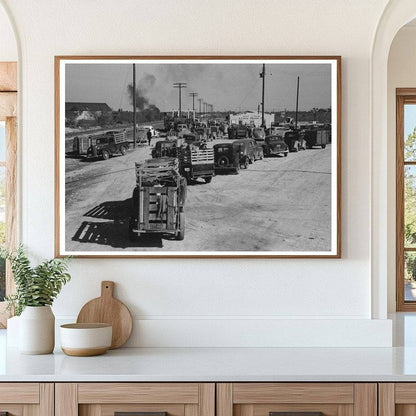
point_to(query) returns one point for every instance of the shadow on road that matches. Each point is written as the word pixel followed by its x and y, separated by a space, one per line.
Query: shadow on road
pixel 111 210
pixel 114 231
pixel 113 234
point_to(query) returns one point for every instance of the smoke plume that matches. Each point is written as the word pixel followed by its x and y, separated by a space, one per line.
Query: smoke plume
pixel 142 88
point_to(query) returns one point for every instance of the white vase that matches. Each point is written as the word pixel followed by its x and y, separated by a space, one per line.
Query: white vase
pixel 37 330
pixel 13 331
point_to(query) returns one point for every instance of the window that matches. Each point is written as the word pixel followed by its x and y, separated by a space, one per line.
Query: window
pixel 2 207
pixel 8 172
pixel 406 199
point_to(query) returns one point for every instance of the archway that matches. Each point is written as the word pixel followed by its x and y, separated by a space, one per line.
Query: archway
pixel 396 14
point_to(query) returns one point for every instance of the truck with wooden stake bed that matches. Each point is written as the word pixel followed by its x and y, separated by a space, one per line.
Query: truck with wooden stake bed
pixel 108 144
pixel 196 161
pixel 317 137
pixel 158 199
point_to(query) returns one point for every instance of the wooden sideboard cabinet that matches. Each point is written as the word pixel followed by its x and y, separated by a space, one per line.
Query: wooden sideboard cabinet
pixel 297 399
pixel 397 399
pixel 153 399
pixel 208 399
pixel 27 399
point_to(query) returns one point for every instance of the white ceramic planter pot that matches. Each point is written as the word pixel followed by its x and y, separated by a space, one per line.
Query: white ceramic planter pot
pixel 37 330
pixel 13 331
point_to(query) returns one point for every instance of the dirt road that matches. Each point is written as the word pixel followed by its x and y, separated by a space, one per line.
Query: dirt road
pixel 277 204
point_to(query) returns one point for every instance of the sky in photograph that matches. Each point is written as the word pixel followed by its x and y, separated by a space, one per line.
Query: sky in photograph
pixel 2 141
pixel 409 119
pixel 233 87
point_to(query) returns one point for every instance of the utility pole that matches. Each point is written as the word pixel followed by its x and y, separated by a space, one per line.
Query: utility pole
pixel 193 95
pixel 134 106
pixel 180 85
pixel 263 77
pixel 200 100
pixel 297 106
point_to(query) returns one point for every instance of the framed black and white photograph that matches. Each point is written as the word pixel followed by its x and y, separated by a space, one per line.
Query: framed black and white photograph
pixel 198 156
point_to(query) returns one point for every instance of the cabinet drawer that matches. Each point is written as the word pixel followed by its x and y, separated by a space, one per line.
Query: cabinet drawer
pixel 21 399
pixel 397 399
pixel 296 399
pixel 147 399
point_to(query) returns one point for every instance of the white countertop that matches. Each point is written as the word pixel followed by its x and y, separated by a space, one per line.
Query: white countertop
pixel 213 364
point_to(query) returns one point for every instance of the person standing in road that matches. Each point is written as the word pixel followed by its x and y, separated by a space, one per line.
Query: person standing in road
pixel 149 136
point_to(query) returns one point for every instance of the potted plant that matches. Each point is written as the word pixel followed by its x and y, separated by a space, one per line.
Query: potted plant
pixel 36 289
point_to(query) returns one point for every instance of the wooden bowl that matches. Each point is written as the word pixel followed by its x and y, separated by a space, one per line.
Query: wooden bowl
pixel 85 340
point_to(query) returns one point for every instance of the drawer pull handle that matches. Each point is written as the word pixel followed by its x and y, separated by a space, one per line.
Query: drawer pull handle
pixel 296 414
pixel 138 414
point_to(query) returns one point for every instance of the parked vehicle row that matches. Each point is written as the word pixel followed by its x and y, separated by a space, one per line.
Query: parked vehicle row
pixel 295 139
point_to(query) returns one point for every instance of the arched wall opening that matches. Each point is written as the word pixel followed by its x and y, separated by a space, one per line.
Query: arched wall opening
pixel 401 73
pixel 397 14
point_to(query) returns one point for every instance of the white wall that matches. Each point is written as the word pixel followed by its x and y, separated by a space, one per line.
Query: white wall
pixel 179 302
pixel 8 47
pixel 401 74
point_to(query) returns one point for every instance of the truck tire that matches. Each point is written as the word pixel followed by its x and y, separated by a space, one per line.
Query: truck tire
pixel 245 163
pixel 223 161
pixel 208 179
pixel 323 146
pixel 105 155
pixel 135 199
pixel 181 232
pixel 133 236
pixel 123 150
pixel 188 178
pixel 286 154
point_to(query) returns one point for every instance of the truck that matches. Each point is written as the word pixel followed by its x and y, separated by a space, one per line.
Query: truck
pixel 291 137
pixel 108 144
pixel 158 199
pixel 317 137
pixel 196 161
pixel 239 131
pixel 165 148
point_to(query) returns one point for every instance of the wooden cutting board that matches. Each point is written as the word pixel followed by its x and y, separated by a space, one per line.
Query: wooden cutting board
pixel 107 309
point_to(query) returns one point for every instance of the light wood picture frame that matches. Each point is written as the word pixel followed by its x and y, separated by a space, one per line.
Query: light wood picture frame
pixel 230 157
